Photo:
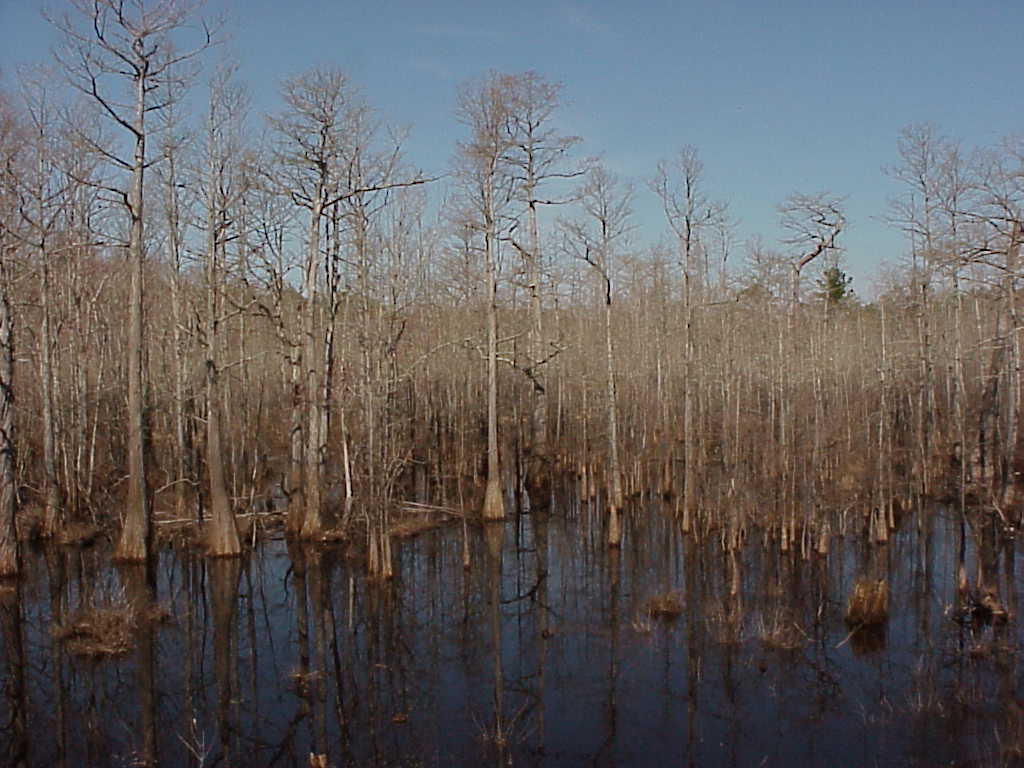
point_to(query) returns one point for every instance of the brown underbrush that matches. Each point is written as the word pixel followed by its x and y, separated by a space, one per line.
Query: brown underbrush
pixel 104 631
pixel 868 605
pixel 665 606
pixel 777 630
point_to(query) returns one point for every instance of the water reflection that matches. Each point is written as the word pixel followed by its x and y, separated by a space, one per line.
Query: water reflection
pixel 550 650
pixel 15 691
pixel 140 588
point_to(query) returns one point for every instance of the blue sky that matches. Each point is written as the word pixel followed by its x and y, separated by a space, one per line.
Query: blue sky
pixel 779 96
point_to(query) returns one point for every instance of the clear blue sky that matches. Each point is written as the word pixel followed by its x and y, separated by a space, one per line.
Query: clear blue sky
pixel 778 95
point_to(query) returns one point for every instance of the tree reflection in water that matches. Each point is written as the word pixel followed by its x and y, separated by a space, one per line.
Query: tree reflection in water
pixel 546 652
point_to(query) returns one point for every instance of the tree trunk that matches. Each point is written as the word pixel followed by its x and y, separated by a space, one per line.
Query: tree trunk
pixel 1012 458
pixel 539 445
pixel 689 385
pixel 182 463
pixel 52 509
pixel 614 467
pixel 494 500
pixel 312 481
pixel 137 534
pixel 10 560
pixel 222 535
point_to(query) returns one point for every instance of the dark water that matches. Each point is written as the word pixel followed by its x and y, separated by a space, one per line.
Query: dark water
pixel 543 653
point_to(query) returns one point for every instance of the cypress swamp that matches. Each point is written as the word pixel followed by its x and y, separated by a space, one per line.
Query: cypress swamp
pixel 312 457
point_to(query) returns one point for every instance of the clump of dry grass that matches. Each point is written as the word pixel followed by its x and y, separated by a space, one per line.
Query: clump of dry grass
pixel 99 632
pixel 30 523
pixel 666 606
pixel 303 683
pixel 414 527
pixel 79 534
pixel 180 533
pixel 779 631
pixel 725 624
pixel 868 605
pixel 106 630
pixel 415 518
pixel 1012 738
pixel 642 624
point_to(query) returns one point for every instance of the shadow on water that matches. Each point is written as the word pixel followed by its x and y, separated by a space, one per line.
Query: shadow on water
pixel 551 650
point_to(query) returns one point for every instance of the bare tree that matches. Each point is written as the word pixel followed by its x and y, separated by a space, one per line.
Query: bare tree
pixel 371 166
pixel 1000 228
pixel 538 156
pixel 311 149
pixel 224 187
pixel 767 274
pixel 122 54
pixel 10 559
pixel 680 186
pixel 813 224
pixel 607 207
pixel 916 212
pixel 486 186
pixel 42 191
pixel 179 189
pixel 315 150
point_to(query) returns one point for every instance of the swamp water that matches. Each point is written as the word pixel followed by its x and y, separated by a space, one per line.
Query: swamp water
pixel 550 650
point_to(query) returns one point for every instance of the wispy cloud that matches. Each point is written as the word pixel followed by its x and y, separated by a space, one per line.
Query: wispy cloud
pixel 432 66
pixel 581 18
pixel 455 31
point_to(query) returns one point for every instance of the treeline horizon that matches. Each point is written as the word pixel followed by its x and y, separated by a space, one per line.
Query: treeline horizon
pixel 203 312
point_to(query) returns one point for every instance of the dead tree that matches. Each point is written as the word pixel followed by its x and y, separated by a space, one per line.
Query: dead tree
pixel 607 207
pixel 538 157
pixel 10 562
pixel 11 139
pixel 483 108
pixel 122 55
pixel 315 147
pixel 813 224
pixel 680 186
pixel 228 104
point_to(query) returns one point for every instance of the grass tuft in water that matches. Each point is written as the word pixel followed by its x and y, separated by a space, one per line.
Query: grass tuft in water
pixel 868 605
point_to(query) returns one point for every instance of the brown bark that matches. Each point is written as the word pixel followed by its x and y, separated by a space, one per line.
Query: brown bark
pixel 129 43
pixel 136 535
pixel 224 578
pixel 52 508
pixel 222 532
pixel 312 480
pixel 494 498
pixel 614 467
pixel 139 582
pixel 181 442
pixel 15 688
pixel 10 556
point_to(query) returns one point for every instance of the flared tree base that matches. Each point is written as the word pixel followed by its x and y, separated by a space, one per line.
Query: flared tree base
pixel 222 540
pixel 10 567
pixel 133 546
pixel 494 501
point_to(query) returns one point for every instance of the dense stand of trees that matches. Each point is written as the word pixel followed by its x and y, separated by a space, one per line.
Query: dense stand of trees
pixel 198 313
